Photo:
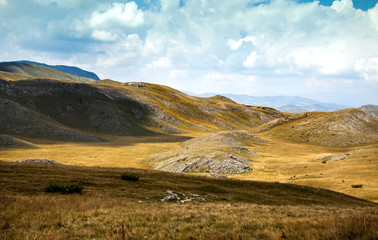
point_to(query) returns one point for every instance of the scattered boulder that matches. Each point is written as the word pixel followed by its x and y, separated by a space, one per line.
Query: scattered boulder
pixel 39 161
pixel 182 197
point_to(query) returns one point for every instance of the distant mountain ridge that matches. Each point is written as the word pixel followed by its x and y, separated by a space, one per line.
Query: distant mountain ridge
pixel 67 69
pixel 291 104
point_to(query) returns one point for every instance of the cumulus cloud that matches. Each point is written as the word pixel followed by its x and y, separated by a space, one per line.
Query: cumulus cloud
pixel 177 42
pixel 104 35
pixel 124 15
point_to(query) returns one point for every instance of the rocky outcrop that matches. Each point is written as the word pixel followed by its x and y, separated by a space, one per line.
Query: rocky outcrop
pixel 221 153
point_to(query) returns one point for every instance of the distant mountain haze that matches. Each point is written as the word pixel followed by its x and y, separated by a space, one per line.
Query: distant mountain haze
pixel 291 104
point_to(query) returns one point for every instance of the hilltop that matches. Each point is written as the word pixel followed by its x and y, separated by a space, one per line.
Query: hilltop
pixel 32 70
pixel 67 69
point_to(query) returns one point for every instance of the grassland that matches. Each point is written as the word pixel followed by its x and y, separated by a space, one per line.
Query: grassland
pixel 281 160
pixel 110 208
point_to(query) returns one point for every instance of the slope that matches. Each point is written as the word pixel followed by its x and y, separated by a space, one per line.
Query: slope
pixel 220 153
pixel 39 71
pixel 17 120
pixel 67 69
pixel 370 108
pixel 108 107
pixel 341 128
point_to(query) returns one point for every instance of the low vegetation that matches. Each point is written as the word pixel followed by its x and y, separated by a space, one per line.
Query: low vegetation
pixel 129 177
pixel 111 208
pixel 63 188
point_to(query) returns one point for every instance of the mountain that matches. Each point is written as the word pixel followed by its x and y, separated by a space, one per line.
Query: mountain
pixel 283 103
pixel 26 70
pixel 68 110
pixel 370 108
pixel 340 128
pixel 67 69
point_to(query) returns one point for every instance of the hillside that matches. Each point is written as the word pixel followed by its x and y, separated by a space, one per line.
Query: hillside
pixel 290 104
pixel 12 142
pixel 67 69
pixel 370 108
pixel 108 107
pixel 39 71
pixel 341 128
pixel 220 153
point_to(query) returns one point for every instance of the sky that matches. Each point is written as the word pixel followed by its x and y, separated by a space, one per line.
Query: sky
pixel 325 50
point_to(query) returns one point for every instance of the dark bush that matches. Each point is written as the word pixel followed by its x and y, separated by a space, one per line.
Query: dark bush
pixel 68 188
pixel 129 177
pixel 357 186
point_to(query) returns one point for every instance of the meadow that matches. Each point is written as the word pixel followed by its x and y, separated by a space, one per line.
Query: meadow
pixel 282 161
pixel 112 208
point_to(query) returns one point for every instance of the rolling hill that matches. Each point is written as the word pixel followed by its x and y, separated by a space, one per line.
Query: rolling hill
pixel 39 71
pixel 110 107
pixel 290 104
pixel 341 128
pixel 67 69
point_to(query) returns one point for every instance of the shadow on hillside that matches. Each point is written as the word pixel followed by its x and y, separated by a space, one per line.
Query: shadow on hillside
pixel 81 108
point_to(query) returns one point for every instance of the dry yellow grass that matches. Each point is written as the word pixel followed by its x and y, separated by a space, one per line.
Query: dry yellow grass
pixel 281 161
pixel 295 163
pixel 98 217
pixel 120 152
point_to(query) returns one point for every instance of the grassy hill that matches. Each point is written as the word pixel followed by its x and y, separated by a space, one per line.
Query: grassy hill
pixel 67 69
pixel 126 109
pixel 39 71
pixel 341 128
pixel 111 208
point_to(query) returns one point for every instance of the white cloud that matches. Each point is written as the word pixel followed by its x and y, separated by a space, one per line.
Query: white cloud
pixel 3 2
pixel 208 42
pixel 250 62
pixel 368 68
pixel 104 36
pixel 123 15
pixel 342 5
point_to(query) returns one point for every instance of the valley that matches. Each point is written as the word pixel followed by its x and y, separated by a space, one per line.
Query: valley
pixel 280 161
pixel 215 159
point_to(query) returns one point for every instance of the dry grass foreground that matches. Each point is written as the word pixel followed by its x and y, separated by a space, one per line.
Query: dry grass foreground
pixel 110 208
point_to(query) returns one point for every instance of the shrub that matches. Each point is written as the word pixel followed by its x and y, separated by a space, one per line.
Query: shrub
pixel 69 188
pixel 129 177
pixel 357 186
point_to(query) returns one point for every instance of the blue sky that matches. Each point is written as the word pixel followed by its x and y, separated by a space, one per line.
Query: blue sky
pixel 326 50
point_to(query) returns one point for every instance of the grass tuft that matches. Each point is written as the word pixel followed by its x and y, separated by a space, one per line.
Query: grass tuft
pixel 69 188
pixel 357 186
pixel 129 177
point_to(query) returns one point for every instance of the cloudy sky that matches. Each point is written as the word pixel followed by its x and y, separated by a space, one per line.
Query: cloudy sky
pixel 325 50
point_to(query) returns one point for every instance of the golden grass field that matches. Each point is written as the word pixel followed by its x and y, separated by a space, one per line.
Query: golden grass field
pixel 281 160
